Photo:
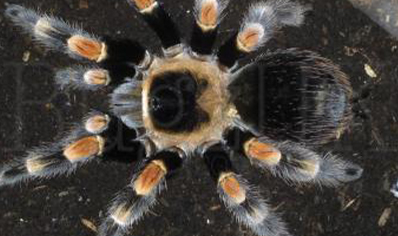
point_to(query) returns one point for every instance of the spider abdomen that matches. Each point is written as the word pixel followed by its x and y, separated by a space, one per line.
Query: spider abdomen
pixel 294 95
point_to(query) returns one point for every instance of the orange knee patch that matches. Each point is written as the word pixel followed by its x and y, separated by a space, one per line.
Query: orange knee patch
pixel 232 187
pixel 97 123
pixel 250 38
pixel 83 148
pixel 87 48
pixel 143 4
pixel 208 15
pixel 262 152
pixel 150 177
pixel 97 77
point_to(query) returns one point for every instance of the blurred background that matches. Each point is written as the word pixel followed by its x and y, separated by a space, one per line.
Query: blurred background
pixel 359 35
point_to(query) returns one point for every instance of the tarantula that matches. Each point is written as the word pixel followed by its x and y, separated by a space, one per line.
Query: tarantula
pixel 190 101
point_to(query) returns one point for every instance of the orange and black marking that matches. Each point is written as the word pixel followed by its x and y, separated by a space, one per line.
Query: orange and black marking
pixel 205 29
pixel 97 123
pixel 87 48
pixel 232 187
pixel 250 38
pixel 97 77
pixel 150 177
pixel 263 152
pixel 143 5
pixel 155 171
pixel 208 15
pixel 84 148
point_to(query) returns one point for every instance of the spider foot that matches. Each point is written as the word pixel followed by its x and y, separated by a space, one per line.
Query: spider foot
pixel 243 201
pixel 208 14
pixel 258 26
pixel 85 142
pixel 133 202
pixel 293 162
pixel 58 35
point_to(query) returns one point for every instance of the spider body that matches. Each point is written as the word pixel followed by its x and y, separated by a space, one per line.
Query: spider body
pixel 188 101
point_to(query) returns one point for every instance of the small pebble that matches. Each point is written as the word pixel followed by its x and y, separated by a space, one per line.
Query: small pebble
pixel 26 56
pixel 89 224
pixel 384 217
pixel 63 194
pixel 83 4
pixel 369 71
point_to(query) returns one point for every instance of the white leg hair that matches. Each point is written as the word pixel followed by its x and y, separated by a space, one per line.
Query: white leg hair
pixel 252 210
pixel 83 77
pixel 299 164
pixel 264 18
pixel 135 200
pixel 51 32
pixel 214 14
pixel 81 145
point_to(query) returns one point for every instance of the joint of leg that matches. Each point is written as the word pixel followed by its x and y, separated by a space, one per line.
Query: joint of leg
pixel 250 38
pixel 231 187
pixel 97 77
pixel 97 124
pixel 84 148
pixel 150 177
pixel 145 6
pixel 262 152
pixel 208 15
pixel 88 48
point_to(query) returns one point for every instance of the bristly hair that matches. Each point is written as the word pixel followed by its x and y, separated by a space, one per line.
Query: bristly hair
pixel 126 103
pixel 49 31
pixel 329 170
pixel 220 4
pixel 76 78
pixel 272 15
pixel 254 212
pixel 134 205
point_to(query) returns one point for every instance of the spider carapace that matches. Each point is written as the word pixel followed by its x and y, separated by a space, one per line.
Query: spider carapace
pixel 188 101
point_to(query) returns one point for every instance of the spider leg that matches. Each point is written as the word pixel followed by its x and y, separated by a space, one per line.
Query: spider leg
pixel 136 199
pixel 258 26
pixel 242 200
pixel 56 34
pixel 93 77
pixel 159 20
pixel 208 14
pixel 293 162
pixel 87 141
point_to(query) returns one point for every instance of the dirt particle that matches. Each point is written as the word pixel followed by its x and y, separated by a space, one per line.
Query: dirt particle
pixel 26 56
pixel 370 72
pixel 89 224
pixel 385 216
pixel 83 4
pixel 215 208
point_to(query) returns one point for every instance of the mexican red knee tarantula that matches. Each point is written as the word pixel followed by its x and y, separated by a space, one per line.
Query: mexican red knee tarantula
pixel 189 101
